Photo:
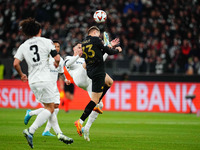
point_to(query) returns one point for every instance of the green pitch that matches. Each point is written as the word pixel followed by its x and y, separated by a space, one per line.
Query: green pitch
pixel 111 131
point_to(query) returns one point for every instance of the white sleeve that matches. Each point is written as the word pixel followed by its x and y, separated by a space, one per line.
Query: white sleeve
pixel 61 65
pixel 71 61
pixel 19 55
pixel 105 56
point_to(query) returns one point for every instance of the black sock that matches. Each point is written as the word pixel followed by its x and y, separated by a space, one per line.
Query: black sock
pixel 105 89
pixel 88 110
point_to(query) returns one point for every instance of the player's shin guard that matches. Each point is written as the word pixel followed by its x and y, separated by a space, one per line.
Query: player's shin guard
pixel 105 89
pixel 88 110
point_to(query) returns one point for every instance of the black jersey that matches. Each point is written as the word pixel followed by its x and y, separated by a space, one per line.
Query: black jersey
pixel 93 51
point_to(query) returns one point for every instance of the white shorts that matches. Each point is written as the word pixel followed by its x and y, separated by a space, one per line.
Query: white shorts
pixel 44 92
pixel 57 95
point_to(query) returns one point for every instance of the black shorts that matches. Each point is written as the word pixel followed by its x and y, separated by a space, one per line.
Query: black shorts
pixel 98 83
pixel 69 88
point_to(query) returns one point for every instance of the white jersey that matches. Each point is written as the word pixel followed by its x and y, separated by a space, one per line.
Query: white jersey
pixel 54 71
pixel 36 52
pixel 74 65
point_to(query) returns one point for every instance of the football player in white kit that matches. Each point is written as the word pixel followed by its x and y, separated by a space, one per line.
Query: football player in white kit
pixel 54 73
pixel 76 68
pixel 36 51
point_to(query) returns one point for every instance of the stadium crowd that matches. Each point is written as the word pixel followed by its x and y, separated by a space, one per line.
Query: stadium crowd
pixel 156 36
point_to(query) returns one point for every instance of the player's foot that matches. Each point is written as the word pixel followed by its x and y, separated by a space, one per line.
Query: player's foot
pixel 86 134
pixel 65 139
pixel 47 133
pixel 27 117
pixel 29 137
pixel 97 109
pixel 78 126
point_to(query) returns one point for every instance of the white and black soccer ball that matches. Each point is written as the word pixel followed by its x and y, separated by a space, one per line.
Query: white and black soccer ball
pixel 100 16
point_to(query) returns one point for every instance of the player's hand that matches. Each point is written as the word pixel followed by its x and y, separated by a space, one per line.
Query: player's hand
pixel 67 82
pixel 109 46
pixel 56 64
pixel 24 78
pixel 115 42
pixel 119 48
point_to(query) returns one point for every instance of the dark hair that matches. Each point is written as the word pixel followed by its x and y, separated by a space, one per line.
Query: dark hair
pixel 76 43
pixel 30 27
pixel 56 41
pixel 92 29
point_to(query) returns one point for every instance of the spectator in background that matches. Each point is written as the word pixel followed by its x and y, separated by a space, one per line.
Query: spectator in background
pixel 2 70
pixel 196 65
pixel 185 50
pixel 156 24
pixel 174 48
pixel 160 66
pixel 149 62
pixel 136 64
pixel 190 67
pixel 125 77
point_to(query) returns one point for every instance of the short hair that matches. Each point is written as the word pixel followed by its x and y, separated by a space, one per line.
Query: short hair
pixel 76 43
pixel 92 29
pixel 56 41
pixel 30 27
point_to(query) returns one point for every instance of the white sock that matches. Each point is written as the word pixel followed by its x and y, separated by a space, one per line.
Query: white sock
pixel 91 119
pixel 54 123
pixel 36 112
pixel 40 120
pixel 81 121
pixel 56 110
pixel 48 126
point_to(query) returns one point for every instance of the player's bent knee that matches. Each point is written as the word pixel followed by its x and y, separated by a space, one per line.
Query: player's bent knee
pixel 56 106
pixel 109 83
pixel 49 107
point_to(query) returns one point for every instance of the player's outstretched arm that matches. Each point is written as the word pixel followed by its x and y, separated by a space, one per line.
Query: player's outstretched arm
pixel 111 51
pixel 70 61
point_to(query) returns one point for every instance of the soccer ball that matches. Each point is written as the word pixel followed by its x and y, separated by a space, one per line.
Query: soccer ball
pixel 100 16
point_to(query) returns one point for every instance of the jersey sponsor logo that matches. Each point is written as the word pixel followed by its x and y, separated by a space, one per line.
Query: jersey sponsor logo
pixel 53 70
pixel 79 62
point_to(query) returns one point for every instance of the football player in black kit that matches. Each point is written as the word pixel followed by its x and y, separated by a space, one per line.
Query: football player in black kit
pixel 93 51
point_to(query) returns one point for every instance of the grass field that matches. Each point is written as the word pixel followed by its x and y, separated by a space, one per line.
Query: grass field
pixel 111 131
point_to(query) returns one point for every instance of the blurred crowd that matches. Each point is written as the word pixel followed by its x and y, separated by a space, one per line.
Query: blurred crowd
pixel 156 36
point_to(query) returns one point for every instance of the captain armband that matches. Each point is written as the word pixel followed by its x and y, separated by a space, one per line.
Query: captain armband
pixel 53 53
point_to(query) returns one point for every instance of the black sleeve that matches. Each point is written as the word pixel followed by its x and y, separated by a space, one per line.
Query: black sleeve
pixel 106 49
pixel 53 53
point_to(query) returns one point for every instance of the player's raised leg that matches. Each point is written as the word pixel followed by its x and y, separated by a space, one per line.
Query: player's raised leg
pixel 91 119
pixel 87 111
